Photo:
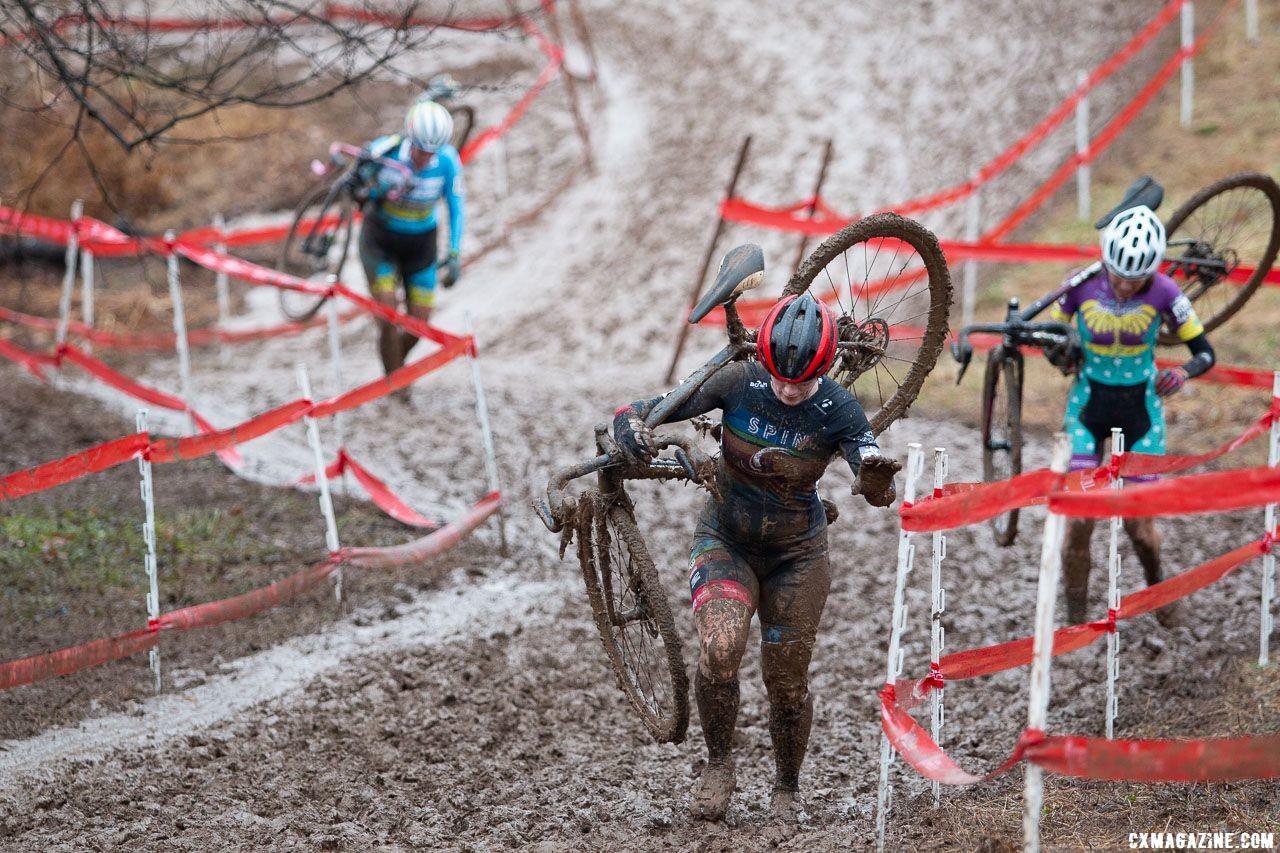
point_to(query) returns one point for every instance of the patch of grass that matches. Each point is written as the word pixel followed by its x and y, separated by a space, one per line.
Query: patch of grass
pixel 51 558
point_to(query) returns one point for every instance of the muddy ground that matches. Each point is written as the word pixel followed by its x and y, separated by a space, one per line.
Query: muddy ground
pixel 482 715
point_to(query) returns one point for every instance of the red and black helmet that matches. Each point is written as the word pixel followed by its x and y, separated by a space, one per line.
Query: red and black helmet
pixel 797 340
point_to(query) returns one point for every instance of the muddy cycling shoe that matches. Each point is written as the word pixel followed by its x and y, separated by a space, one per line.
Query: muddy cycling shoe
pixel 711 794
pixel 787 807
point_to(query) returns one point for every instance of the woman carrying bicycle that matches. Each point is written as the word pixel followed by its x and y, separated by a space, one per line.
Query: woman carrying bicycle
pixel 398 238
pixel 1118 312
pixel 761 541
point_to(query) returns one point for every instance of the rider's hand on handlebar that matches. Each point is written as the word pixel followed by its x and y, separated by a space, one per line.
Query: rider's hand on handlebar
pixel 633 436
pixel 875 480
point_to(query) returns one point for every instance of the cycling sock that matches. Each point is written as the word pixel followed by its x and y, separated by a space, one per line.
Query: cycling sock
pixel 789 727
pixel 718 710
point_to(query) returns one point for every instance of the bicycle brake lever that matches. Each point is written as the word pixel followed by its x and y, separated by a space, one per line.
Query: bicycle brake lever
pixel 686 464
pixel 964 355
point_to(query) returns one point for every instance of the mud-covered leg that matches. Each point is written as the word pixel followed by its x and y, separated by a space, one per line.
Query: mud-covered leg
pixel 786 669
pixel 1146 544
pixel 1076 565
pixel 791 604
pixel 390 349
pixel 722 632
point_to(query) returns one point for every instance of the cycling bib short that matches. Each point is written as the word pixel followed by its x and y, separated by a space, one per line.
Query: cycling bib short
pixel 389 257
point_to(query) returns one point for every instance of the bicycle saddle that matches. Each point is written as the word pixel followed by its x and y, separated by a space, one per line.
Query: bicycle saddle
pixel 1144 191
pixel 741 269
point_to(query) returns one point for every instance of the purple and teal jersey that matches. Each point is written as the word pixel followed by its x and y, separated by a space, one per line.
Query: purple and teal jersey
pixel 1119 336
pixel 1116 386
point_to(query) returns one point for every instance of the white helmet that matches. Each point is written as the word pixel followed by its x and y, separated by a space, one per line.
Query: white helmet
pixel 428 125
pixel 1133 244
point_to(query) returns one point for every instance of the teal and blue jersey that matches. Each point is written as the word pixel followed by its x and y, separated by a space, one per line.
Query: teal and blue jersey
pixel 413 209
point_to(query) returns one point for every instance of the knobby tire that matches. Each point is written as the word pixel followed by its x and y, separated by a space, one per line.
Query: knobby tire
pixel 1002 431
pixel 605 525
pixel 1266 195
pixel 301 307
pixel 866 239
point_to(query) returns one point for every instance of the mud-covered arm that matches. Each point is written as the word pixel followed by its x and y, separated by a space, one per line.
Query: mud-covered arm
pixel 872 471
pixel 855 439
pixel 636 439
pixel 713 394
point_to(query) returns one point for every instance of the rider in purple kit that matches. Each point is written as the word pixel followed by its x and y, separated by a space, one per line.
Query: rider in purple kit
pixel 1118 313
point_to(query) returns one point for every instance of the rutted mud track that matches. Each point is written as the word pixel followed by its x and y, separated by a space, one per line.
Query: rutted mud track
pixel 515 736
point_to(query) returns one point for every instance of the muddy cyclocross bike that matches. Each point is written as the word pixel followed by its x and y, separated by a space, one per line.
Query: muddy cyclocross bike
pixel 319 238
pixel 889 280
pixel 1221 244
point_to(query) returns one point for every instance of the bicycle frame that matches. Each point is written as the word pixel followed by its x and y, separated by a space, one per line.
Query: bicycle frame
pixel 689 461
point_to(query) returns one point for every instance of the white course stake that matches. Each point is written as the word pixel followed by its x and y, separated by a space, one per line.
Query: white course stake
pixel 1269 559
pixel 1188 70
pixel 906 557
pixel 180 329
pixel 86 292
pixel 937 638
pixel 486 436
pixel 1251 20
pixel 69 275
pixel 1113 590
pixel 149 559
pixel 220 287
pixel 972 231
pixel 322 480
pixel 1042 651
pixel 1083 171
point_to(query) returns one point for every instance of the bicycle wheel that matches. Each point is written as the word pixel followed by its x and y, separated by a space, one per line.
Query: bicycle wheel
pixel 1002 430
pixel 886 275
pixel 1227 227
pixel 316 246
pixel 633 616
pixel 464 121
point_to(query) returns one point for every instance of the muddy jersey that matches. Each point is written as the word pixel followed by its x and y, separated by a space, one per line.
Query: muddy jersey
pixel 1119 336
pixel 413 210
pixel 772 454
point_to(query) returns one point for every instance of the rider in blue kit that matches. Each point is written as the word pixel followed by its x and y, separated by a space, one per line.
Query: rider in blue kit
pixel 398 238
pixel 1118 313
pixel 761 541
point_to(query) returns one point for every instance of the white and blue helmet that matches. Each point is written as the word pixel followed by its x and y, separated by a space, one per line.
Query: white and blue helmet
pixel 428 125
pixel 1133 244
